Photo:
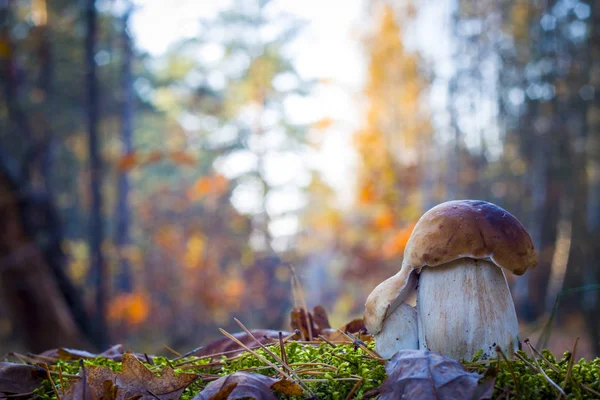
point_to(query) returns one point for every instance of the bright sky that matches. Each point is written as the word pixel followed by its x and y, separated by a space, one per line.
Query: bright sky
pixel 328 48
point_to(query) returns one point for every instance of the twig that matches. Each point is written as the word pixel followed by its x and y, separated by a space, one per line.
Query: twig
pixel 263 359
pixel 362 345
pixel 323 338
pixel 540 355
pixel 172 351
pixel 558 388
pixel 282 348
pixel 62 383
pixel 571 362
pixel 530 365
pixel 355 388
pixel 589 389
pixel 189 353
pixel 300 292
pixel 148 359
pixel 275 356
pixel 499 350
pixel 45 366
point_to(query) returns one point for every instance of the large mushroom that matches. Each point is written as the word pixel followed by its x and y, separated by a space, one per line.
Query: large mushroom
pixel 459 248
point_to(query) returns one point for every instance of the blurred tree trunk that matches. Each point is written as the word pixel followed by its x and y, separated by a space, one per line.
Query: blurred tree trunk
pixel 592 147
pixel 97 266
pixel 36 221
pixel 27 286
pixel 124 279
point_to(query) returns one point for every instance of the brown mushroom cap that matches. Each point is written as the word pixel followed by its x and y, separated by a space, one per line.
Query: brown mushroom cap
pixel 449 231
pixel 470 228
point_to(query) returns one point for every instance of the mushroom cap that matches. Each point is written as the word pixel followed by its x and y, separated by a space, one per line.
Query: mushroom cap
pixel 449 231
pixel 470 228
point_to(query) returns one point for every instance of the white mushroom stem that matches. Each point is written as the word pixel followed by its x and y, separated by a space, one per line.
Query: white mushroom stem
pixel 399 332
pixel 464 306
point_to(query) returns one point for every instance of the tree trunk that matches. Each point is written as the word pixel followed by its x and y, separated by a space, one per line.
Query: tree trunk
pixel 124 279
pixel 27 285
pixel 97 265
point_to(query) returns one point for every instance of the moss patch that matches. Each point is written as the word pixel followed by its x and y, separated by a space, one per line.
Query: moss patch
pixel 333 372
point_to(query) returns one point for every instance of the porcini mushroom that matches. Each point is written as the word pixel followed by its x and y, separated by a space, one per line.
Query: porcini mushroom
pixel 463 300
pixel 460 248
pixel 392 322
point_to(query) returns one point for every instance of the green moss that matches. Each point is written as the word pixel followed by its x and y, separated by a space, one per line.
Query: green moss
pixel 339 368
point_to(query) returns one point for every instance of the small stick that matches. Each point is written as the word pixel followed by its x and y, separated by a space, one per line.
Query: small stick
pixel 148 359
pixel 62 383
pixel 172 351
pixel 189 353
pixel 323 338
pixel 540 355
pixel 302 301
pixel 530 365
pixel 499 350
pixel 45 366
pixel 84 377
pixel 362 345
pixel 571 361
pixel 355 388
pixel 282 348
pixel 275 367
pixel 589 389
pixel 237 321
pixel 558 388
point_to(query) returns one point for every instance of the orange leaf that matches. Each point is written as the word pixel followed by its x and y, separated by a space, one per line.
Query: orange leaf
pixel 182 158
pixel 153 157
pixel 128 161
pixel 396 244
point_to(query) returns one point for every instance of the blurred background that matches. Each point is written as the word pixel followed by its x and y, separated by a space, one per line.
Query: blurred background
pixel 163 163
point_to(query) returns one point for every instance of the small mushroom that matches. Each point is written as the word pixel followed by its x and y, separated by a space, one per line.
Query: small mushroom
pixel 392 322
pixel 463 300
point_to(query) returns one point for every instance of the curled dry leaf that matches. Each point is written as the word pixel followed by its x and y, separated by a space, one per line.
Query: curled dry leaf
pixel 19 378
pixel 136 381
pixel 421 374
pixel 247 385
pixel 226 345
pixel 113 353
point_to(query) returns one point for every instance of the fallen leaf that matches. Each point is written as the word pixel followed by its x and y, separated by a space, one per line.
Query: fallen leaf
pixel 226 345
pixel 135 381
pixel 300 320
pixel 246 385
pixel 20 378
pixel 112 353
pixel 422 374
pixel 320 318
pixel 287 387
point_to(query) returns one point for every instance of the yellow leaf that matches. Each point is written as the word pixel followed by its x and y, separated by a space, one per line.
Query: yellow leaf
pixel 323 123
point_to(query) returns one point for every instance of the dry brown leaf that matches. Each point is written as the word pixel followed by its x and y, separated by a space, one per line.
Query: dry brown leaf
pixel 241 385
pixel 19 378
pixel 421 374
pixel 135 381
pixel 320 318
pixel 287 387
